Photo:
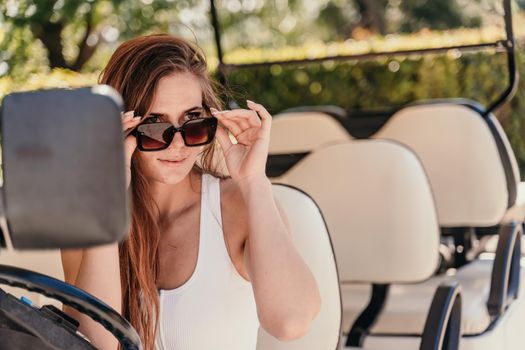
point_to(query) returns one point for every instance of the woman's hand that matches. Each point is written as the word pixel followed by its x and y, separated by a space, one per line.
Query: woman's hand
pixel 246 160
pixel 129 122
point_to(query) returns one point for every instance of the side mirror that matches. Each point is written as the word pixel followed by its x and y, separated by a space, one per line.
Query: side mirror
pixel 63 169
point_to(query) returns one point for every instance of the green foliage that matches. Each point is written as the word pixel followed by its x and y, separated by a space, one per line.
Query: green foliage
pixel 67 33
pixel 436 15
pixel 273 24
pixel 373 85
pixel 514 117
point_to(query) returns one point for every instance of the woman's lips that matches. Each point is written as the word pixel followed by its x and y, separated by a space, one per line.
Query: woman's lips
pixel 172 162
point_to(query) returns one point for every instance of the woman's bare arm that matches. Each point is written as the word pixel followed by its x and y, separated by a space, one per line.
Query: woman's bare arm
pixel 285 289
pixel 96 271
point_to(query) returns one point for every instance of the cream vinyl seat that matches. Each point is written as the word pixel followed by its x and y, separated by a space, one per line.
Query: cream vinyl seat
pixel 453 138
pixel 475 181
pixel 298 132
pixel 295 134
pixel 380 213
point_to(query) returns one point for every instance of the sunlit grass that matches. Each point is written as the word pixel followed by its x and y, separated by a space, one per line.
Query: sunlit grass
pixel 57 78
pixel 372 43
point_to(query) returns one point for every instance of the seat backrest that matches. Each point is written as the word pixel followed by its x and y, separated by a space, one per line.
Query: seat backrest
pixel 313 242
pixel 467 156
pixel 300 132
pixel 378 206
pixel 295 134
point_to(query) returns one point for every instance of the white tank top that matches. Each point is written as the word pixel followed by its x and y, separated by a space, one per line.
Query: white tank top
pixel 215 308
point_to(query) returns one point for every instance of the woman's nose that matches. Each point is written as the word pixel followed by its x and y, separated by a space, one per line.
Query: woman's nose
pixel 177 141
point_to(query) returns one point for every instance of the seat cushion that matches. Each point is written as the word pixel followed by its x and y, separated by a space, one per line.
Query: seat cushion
pixel 407 307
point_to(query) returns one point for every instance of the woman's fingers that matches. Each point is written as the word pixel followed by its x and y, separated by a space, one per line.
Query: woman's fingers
pixel 224 138
pixel 129 121
pixel 242 122
pixel 266 117
pixel 239 125
pixel 255 116
pixel 246 118
pixel 232 125
pixel 127 115
pixel 130 143
pixel 128 127
pixel 126 118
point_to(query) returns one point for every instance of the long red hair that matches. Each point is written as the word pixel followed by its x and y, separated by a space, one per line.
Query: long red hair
pixel 135 70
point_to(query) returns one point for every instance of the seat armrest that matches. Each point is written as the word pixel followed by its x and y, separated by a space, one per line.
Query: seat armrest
pixel 505 278
pixel 443 325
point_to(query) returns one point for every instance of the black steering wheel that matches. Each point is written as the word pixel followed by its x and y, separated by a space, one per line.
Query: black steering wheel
pixel 76 298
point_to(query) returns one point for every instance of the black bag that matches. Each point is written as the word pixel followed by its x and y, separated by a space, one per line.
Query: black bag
pixel 23 326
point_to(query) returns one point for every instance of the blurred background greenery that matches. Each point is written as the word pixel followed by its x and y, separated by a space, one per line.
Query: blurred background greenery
pixel 61 43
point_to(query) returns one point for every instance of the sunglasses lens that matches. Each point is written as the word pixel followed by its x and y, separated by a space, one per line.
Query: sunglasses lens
pixel 158 136
pixel 153 136
pixel 199 131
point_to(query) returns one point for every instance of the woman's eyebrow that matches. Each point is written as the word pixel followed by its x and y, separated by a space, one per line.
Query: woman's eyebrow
pixel 195 108
pixel 164 116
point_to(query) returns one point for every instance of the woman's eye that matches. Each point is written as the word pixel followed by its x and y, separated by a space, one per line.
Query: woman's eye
pixel 152 119
pixel 195 115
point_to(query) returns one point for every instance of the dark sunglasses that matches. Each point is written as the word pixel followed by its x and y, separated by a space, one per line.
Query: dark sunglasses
pixel 158 136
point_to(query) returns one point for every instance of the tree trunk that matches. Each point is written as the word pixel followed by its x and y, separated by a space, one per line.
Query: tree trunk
pixel 50 35
pixel 373 16
pixel 85 51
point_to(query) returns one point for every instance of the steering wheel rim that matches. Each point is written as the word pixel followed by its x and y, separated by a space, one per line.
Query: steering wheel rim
pixel 76 298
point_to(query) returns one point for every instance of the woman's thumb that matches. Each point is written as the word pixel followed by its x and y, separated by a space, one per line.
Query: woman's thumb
pixel 130 143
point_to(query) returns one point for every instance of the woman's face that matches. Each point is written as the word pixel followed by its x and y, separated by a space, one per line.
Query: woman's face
pixel 178 98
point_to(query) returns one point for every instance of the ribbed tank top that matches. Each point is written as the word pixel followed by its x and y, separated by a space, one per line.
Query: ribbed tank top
pixel 215 308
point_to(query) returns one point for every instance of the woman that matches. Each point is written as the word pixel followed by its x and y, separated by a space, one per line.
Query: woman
pixel 208 258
